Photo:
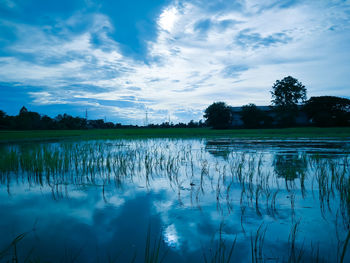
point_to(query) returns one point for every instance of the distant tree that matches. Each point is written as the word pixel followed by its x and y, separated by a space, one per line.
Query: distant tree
pixel 2 114
pixel 7 122
pixel 23 110
pixel 47 123
pixel 328 111
pixel 165 125
pixel 201 124
pixel 218 115
pixel 192 124
pixel 28 120
pixel 180 125
pixel 97 124
pixel 67 122
pixel 3 121
pixel 109 125
pixel 286 95
pixel 253 117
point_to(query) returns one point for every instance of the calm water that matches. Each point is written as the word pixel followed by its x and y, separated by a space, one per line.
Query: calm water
pixel 116 201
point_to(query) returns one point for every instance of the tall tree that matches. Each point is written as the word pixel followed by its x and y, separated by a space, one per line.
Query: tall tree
pixel 27 120
pixel 286 95
pixel 218 115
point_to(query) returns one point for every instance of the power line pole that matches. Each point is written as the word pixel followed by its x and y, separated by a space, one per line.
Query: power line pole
pixel 146 119
pixel 86 114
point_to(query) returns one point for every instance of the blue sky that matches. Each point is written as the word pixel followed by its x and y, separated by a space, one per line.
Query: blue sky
pixel 172 59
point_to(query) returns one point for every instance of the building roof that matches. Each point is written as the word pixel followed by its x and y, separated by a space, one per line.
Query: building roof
pixel 262 108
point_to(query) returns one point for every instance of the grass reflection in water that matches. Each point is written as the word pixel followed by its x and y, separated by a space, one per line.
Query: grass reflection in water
pixel 236 203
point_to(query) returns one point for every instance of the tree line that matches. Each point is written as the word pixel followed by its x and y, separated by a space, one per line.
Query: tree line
pixel 289 105
pixel 289 108
pixel 29 120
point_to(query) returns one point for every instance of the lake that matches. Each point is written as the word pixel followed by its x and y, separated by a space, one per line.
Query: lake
pixel 175 200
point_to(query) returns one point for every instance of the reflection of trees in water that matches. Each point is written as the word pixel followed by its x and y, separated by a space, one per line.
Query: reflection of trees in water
pixel 245 180
pixel 219 148
pixel 222 147
pixel 219 151
pixel 290 166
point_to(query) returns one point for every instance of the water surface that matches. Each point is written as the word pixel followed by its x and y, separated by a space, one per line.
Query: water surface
pixel 117 200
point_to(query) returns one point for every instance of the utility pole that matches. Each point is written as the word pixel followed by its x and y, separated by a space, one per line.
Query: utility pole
pixel 86 114
pixel 146 119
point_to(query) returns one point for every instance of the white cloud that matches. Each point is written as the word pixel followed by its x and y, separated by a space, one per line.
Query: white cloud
pixel 264 44
pixel 168 18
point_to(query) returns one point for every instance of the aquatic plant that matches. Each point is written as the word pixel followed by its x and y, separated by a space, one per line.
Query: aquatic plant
pixel 242 183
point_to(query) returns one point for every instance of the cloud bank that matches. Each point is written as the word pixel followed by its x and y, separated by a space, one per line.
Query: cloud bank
pixel 172 59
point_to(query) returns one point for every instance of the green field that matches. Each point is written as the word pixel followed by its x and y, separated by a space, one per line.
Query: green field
pixel 310 132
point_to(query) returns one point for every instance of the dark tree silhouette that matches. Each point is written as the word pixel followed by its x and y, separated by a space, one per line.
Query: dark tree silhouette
pixel 286 95
pixel 2 115
pixel 218 115
pixel 28 120
pixel 288 91
pixel 23 110
pixel 290 166
pixel 47 123
pixel 71 123
pixel 328 111
pixel 253 117
pixel 3 120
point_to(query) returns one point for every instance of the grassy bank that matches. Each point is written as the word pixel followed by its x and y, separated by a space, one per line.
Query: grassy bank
pixel 309 132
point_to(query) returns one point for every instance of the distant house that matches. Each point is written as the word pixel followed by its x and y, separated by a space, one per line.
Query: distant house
pixel 301 119
pixel 236 116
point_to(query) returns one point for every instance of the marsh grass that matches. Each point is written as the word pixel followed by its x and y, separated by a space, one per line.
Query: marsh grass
pixel 242 181
pixel 220 250
pixel 257 244
pixel 295 255
pixel 154 251
pixel 345 248
pixel 102 164
pixel 11 251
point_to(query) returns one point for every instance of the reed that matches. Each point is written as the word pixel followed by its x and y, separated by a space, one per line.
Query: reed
pixel 153 253
pixel 257 244
pixel 249 182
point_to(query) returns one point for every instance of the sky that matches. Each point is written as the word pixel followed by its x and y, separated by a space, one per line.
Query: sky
pixel 118 59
